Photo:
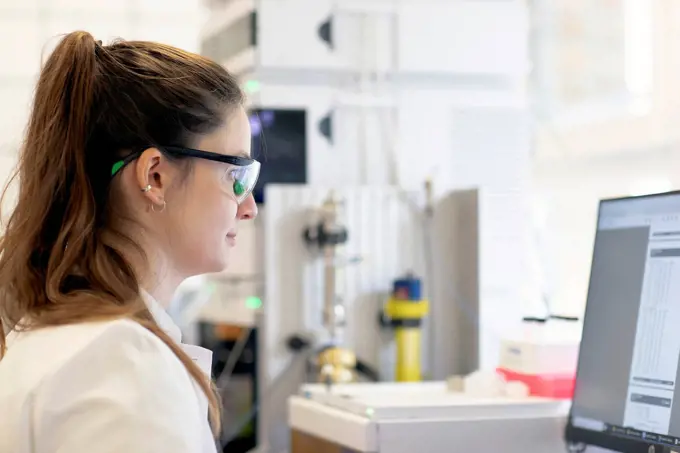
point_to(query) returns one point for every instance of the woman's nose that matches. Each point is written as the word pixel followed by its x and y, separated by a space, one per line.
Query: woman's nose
pixel 247 210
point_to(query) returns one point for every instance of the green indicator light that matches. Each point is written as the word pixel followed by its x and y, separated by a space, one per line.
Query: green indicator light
pixel 252 86
pixel 253 302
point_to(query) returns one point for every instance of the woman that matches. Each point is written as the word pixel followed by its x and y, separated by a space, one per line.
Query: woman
pixel 134 174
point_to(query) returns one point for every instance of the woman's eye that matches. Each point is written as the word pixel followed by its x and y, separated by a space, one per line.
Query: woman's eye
pixel 231 175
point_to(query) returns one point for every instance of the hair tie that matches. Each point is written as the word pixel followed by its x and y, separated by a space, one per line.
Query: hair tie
pixel 97 46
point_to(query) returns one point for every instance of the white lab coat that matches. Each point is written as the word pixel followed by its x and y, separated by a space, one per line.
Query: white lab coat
pixel 107 387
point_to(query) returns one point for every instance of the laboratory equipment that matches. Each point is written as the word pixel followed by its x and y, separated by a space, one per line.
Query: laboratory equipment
pixel 404 312
pixel 627 378
pixel 543 355
pixel 364 97
pixel 327 236
pixel 235 356
pixel 421 416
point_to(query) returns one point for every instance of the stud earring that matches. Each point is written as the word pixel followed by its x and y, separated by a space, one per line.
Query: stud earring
pixel 147 188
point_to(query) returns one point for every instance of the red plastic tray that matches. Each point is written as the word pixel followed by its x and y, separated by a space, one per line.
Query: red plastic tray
pixel 549 386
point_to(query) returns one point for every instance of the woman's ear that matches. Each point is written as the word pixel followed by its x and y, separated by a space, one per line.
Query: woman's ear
pixel 154 175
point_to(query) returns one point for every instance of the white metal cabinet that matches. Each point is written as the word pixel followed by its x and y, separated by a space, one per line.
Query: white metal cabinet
pixel 288 35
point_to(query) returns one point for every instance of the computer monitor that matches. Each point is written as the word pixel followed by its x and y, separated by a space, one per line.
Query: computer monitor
pixel 627 393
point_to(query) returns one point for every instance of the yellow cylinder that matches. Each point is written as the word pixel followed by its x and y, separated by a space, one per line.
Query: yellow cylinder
pixel 408 354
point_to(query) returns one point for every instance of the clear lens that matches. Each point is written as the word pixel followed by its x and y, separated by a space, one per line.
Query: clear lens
pixel 243 180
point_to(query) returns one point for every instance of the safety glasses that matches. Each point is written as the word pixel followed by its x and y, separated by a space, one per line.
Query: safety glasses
pixel 241 175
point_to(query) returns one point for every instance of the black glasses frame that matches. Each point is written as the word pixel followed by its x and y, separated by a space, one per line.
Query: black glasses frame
pixel 185 152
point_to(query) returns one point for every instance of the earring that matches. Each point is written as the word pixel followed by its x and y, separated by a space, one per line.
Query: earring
pixel 153 207
pixel 147 188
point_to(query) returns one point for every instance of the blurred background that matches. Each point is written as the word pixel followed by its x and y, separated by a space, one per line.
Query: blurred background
pixel 467 142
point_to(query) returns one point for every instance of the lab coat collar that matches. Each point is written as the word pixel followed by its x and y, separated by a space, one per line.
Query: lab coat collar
pixel 162 318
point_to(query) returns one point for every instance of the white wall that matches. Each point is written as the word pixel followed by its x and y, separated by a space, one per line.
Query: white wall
pixel 622 130
pixel 570 191
pixel 578 164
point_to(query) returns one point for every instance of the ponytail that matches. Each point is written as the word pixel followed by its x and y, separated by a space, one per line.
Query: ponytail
pixel 61 121
pixel 58 262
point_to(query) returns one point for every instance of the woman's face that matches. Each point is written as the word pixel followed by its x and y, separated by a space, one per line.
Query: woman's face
pixel 202 214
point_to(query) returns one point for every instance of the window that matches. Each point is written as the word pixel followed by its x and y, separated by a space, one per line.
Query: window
pixel 592 57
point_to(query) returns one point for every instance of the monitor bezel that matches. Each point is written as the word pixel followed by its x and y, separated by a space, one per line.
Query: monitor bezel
pixel 576 435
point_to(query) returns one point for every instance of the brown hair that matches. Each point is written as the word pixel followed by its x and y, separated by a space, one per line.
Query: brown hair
pixel 59 263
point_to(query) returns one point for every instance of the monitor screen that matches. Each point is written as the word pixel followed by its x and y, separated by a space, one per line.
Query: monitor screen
pixel 279 142
pixel 627 379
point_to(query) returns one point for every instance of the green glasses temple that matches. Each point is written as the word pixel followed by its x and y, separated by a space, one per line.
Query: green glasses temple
pixel 117 166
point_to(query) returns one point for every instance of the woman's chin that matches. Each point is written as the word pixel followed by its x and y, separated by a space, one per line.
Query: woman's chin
pixel 216 265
